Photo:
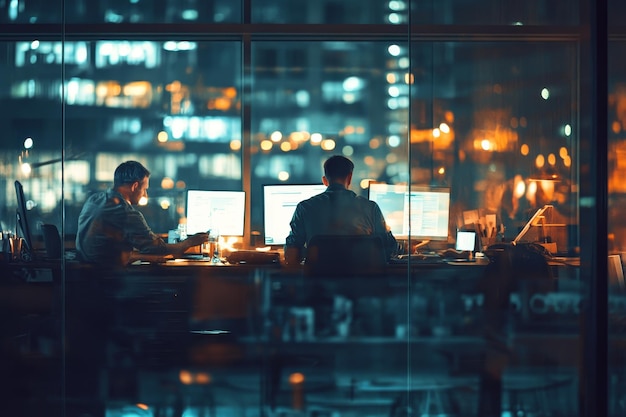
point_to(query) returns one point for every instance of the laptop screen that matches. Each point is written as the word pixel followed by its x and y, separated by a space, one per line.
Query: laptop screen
pixel 465 241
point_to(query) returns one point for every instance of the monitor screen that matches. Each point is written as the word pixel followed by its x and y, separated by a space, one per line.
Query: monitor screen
pixel 279 203
pixel 424 213
pixel 465 241
pixel 23 227
pixel 221 211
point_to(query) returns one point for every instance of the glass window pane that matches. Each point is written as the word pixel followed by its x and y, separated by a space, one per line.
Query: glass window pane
pixel 497 126
pixel 324 11
pixel 117 11
pixel 616 224
pixel 174 105
pixel 315 99
pixel 493 12
pixel 421 12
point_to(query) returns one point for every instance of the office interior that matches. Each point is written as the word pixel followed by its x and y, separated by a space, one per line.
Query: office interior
pixel 516 109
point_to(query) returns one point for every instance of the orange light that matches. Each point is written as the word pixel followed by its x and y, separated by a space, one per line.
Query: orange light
pixel 296 378
pixel 203 378
pixel 185 377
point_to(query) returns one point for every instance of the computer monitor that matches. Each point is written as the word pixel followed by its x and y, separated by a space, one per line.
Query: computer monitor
pixel 422 214
pixel 221 211
pixel 279 203
pixel 22 226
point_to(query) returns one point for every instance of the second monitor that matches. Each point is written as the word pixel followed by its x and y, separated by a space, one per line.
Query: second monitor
pixel 279 203
pixel 422 214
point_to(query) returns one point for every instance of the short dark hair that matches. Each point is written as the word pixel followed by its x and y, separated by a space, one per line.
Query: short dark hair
pixel 129 172
pixel 337 168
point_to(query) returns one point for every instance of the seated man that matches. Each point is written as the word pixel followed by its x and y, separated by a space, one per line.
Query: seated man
pixel 336 211
pixel 111 232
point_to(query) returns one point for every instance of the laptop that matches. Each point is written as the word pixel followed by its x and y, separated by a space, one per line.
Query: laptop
pixel 465 246
pixel 465 241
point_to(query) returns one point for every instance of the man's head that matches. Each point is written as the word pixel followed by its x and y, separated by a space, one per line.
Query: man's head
pixel 131 180
pixel 338 169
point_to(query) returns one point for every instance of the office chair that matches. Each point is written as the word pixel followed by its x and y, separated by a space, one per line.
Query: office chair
pixel 52 241
pixel 345 255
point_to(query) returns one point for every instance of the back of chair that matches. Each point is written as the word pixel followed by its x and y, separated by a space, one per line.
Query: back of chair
pixel 345 255
pixel 52 241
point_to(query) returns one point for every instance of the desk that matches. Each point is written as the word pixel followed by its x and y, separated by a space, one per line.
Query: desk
pixel 229 320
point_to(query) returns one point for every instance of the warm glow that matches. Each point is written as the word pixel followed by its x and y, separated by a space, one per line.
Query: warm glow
pixel 142 406
pixel 524 149
pixel 185 377
pixel 221 103
pixel 563 153
pixel 548 189
pixel 285 146
pixel 531 192
pixel 391 78
pixel 552 159
pixel 137 88
pixel 365 183
pixel 616 127
pixel 180 184
pixel 26 168
pixel 162 136
pixel 266 145
pixel 567 161
pixel 328 144
pixel 283 175
pixel 441 170
pixel 485 144
pixel 409 78
pixel 540 161
pixel 316 138
pixel 230 92
pixel 296 378
pixel 436 133
pixel 165 203
pixel 235 145
pixel 203 378
pixel 143 201
pixel 444 128
pixel 297 137
pixel 519 187
pixel 228 243
pixel 369 161
pixel 167 183
pixel 374 143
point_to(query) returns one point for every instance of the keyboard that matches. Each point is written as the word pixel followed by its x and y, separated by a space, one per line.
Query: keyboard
pixel 418 258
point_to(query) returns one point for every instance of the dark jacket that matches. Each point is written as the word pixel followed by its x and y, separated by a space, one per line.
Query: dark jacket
pixel 337 211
